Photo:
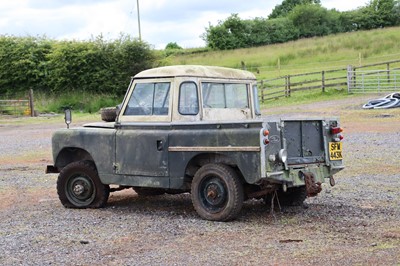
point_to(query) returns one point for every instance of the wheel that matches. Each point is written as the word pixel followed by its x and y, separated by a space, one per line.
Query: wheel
pixel 144 191
pixel 217 193
pixel 79 186
pixel 108 114
pixel 292 197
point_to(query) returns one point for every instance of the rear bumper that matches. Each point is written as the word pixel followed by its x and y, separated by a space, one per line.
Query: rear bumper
pixel 294 176
pixel 51 169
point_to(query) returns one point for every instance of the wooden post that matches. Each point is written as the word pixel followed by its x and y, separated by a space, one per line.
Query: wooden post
pixel 288 86
pixel 243 65
pixel 279 66
pixel 262 91
pixel 388 71
pixel 323 81
pixel 31 105
pixel 350 76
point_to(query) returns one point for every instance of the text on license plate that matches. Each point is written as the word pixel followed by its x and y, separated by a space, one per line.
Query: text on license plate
pixel 335 151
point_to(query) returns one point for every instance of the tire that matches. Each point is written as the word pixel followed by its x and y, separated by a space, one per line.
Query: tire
pixel 144 191
pixel 108 114
pixel 217 193
pixel 79 186
pixel 292 197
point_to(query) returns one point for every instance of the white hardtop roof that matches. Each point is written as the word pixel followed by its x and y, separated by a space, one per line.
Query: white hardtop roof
pixel 196 71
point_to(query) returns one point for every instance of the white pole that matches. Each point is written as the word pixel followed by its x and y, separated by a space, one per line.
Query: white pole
pixel 138 17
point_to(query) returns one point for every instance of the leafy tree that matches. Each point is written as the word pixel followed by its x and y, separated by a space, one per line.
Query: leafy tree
pixel 314 20
pixel 287 6
pixel 22 63
pixel 347 20
pixel 172 46
pixel 269 31
pixel 95 66
pixel 229 34
pixel 378 14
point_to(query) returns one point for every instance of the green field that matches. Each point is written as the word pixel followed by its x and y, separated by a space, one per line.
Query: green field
pixel 306 55
pixel 267 62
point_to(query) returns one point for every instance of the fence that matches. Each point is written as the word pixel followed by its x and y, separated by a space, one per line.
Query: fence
pixel 384 77
pixel 370 78
pixel 285 86
pixel 18 107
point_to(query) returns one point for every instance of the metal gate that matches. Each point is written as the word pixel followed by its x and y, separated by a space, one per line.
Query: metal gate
pixel 373 81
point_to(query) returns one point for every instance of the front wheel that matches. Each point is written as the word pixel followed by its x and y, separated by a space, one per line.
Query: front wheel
pixel 217 193
pixel 79 186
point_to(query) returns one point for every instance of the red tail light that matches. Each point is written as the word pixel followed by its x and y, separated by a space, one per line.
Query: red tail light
pixel 336 130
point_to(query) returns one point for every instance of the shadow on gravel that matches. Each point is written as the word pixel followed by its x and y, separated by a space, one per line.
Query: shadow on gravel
pixel 334 212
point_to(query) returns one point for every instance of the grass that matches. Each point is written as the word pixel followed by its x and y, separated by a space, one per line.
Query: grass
pixel 77 118
pixel 305 55
pixel 272 61
pixel 77 101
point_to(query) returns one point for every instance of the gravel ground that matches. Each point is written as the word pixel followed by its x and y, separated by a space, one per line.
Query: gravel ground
pixel 357 222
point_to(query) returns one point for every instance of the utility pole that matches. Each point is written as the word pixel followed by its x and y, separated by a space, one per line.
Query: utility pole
pixel 138 17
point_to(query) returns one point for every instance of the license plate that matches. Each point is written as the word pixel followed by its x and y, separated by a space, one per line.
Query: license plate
pixel 335 151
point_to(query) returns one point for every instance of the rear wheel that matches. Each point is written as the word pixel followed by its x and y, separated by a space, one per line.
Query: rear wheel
pixel 79 186
pixel 217 193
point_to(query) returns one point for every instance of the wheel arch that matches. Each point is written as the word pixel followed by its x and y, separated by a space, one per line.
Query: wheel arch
pixel 206 158
pixel 71 154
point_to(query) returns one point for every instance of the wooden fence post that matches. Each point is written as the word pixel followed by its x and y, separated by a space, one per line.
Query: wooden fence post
pixel 350 77
pixel 31 105
pixel 323 81
pixel 388 71
pixel 262 91
pixel 287 91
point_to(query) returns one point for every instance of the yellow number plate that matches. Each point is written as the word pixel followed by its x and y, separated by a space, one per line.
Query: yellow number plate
pixel 335 151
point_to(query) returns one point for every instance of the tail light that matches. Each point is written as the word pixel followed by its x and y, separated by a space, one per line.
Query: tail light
pixel 336 133
pixel 265 134
pixel 336 130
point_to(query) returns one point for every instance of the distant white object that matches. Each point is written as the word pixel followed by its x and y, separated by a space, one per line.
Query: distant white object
pixel 389 101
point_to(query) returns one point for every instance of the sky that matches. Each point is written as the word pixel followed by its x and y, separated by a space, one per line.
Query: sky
pixel 162 21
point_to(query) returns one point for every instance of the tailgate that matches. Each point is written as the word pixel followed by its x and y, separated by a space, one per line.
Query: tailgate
pixel 304 141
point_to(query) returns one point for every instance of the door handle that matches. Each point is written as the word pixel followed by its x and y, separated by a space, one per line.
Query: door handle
pixel 160 145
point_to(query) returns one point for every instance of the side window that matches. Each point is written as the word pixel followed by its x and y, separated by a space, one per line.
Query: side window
pixel 188 99
pixel 149 99
pixel 225 95
pixel 256 100
pixel 213 95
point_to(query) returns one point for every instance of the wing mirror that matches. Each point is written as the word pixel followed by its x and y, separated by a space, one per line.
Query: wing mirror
pixel 67 116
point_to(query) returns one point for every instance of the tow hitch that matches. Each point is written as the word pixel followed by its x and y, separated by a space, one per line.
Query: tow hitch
pixel 312 187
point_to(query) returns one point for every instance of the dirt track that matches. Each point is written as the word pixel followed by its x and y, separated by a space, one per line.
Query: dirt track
pixel 355 222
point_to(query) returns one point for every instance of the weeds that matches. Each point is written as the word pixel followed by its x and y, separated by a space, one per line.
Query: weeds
pixel 77 101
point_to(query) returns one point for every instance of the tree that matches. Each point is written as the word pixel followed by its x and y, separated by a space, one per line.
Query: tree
pixel 314 20
pixel 287 6
pixel 378 14
pixel 23 63
pixel 172 46
pixel 270 31
pixel 231 33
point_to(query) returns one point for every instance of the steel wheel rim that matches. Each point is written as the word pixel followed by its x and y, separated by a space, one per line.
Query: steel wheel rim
pixel 80 190
pixel 213 194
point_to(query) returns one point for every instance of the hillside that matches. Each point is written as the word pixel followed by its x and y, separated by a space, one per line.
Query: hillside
pixel 306 55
